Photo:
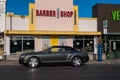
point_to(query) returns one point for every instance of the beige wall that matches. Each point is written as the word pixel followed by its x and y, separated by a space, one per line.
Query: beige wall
pixel 38 43
pixel 53 23
pixel 70 41
pixel 88 24
pixel 18 23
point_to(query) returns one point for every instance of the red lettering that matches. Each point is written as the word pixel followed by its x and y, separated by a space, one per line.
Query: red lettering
pixel 37 12
pixel 51 13
pixel 40 14
pixel 47 13
pixel 43 12
pixel 66 13
pixel 61 13
pixel 54 13
pixel 71 13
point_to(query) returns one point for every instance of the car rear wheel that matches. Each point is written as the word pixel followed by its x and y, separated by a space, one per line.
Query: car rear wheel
pixel 33 62
pixel 76 61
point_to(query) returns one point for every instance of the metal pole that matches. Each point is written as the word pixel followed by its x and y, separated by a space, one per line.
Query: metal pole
pixel 83 44
pixel 22 45
pixel 10 22
pixel 105 44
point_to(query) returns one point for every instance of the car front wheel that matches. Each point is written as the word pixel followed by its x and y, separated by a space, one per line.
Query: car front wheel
pixel 76 61
pixel 33 62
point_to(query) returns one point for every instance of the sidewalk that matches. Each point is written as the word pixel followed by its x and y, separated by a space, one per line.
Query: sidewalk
pixel 16 63
pixel 107 61
pixel 9 63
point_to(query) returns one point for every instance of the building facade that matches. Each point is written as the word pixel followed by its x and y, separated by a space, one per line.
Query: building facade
pixel 49 24
pixel 108 23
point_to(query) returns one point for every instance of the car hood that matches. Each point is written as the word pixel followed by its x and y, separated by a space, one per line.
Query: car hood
pixel 31 53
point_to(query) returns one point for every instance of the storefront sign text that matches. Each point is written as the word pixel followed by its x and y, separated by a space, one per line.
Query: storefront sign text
pixel 116 15
pixel 54 13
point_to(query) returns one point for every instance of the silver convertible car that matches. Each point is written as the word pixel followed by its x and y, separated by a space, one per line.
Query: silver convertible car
pixel 54 54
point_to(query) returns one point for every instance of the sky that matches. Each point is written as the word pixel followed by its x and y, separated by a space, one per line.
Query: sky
pixel 20 7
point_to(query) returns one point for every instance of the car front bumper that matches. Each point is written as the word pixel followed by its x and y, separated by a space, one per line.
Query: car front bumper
pixel 85 59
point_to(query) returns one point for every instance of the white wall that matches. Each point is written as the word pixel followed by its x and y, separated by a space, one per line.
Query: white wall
pixel 7 45
pixel 88 25
pixel 18 23
pixel 2 22
pixel 2 15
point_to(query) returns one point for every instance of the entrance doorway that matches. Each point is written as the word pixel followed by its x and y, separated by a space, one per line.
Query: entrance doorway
pixel 115 45
pixel 114 48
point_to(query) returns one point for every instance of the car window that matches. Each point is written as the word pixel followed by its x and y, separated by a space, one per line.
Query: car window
pixel 73 50
pixel 61 50
pixel 54 49
pixel 57 49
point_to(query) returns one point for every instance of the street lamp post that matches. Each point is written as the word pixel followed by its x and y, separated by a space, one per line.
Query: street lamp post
pixel 10 14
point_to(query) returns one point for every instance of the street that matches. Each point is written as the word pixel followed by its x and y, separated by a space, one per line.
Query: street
pixel 51 72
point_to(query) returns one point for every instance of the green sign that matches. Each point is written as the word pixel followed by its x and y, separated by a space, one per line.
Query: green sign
pixel 116 15
pixel 105 23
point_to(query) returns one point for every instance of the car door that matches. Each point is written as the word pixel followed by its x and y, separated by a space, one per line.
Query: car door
pixel 61 55
pixel 55 54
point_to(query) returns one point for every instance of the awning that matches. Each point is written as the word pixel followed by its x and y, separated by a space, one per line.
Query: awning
pixel 45 32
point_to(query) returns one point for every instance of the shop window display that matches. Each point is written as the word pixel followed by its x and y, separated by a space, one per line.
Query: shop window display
pixel 84 43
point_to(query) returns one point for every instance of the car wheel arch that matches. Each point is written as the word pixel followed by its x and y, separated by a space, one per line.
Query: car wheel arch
pixel 35 57
pixel 76 56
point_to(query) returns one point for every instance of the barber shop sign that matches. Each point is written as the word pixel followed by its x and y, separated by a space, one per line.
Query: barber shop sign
pixel 54 13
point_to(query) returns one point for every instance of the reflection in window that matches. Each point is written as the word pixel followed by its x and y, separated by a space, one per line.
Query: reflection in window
pixel 20 44
pixel 57 50
pixel 78 44
pixel 45 42
pixel 62 40
pixel 89 45
pixel 84 43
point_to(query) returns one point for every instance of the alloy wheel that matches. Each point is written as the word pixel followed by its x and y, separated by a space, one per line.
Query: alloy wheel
pixel 33 62
pixel 76 61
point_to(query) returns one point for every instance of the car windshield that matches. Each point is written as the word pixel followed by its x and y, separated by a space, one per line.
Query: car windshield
pixel 46 49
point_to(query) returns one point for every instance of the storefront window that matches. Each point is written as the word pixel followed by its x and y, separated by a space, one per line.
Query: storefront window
pixel 89 45
pixel 62 40
pixel 21 44
pixel 84 43
pixel 15 45
pixel 45 42
pixel 28 44
pixel 78 44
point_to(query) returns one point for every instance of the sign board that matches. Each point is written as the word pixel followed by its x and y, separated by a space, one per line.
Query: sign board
pixel 105 23
pixel 105 30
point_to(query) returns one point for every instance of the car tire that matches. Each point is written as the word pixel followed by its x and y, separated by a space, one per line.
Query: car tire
pixel 76 61
pixel 33 62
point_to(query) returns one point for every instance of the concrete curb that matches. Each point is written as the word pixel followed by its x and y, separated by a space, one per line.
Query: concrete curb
pixel 108 61
pixel 9 63
pixel 16 63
